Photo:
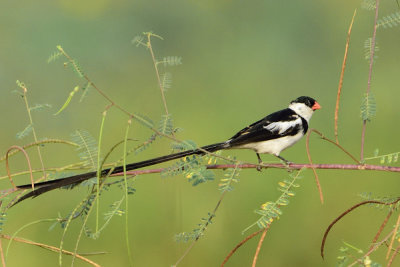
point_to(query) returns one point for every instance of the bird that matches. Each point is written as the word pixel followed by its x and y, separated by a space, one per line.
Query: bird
pixel 269 135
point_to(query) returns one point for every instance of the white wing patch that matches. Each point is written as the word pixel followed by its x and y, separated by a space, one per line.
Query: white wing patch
pixel 282 126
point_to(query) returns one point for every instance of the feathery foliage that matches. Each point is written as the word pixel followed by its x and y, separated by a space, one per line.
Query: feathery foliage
pixel 197 232
pixel 368 49
pixel 165 125
pixel 369 196
pixel 85 90
pixel 368 107
pixel 368 4
pixel 138 40
pixel 166 80
pixel 347 256
pixel 389 21
pixel 38 107
pixel 230 176
pixel 87 148
pixel 272 210
pixel 184 145
pixel 3 217
pixel 144 120
pixel 114 210
pixel 53 57
pixel 171 61
pixel 25 132
pixel 386 158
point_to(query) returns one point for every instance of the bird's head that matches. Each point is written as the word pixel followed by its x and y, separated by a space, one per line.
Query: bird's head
pixel 304 106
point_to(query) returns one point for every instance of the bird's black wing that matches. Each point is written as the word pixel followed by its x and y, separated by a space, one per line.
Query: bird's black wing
pixel 281 123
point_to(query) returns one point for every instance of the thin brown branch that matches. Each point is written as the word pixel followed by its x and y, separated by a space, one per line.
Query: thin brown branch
pixel 259 245
pixel 375 247
pixel 281 166
pixel 149 35
pixel 48 247
pixel 321 196
pixel 3 260
pixel 241 243
pixel 336 144
pixel 347 212
pixel 27 160
pixel 393 237
pixel 395 253
pixel 371 61
pixel 381 229
pixel 341 77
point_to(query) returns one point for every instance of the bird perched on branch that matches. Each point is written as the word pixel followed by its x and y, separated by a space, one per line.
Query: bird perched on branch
pixel 270 135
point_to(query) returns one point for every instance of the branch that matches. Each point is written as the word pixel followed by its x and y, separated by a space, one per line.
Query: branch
pixel 341 77
pixel 371 61
pixel 293 166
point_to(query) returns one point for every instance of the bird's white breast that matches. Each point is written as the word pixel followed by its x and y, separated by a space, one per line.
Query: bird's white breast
pixel 275 146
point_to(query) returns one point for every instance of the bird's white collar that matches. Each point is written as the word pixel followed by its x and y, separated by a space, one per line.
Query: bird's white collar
pixel 302 110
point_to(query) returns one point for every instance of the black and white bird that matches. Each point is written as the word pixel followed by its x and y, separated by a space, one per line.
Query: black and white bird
pixel 270 135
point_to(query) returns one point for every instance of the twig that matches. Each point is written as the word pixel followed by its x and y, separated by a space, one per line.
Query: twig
pixel 371 61
pixel 148 44
pixel 341 77
pixel 393 255
pixel 393 237
pixel 373 248
pixel 381 229
pixel 347 212
pixel 48 247
pixel 259 245
pixel 27 160
pixel 241 243
pixel 321 196
pixel 3 261
pixel 28 109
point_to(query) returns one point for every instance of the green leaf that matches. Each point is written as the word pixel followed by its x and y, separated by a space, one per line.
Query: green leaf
pixel 165 125
pixel 368 49
pixel 389 21
pixel 368 107
pixel 54 56
pixel 166 80
pixel 172 61
pixel 66 103
pixel 144 120
pixel 368 4
pixel 87 148
pixel 25 132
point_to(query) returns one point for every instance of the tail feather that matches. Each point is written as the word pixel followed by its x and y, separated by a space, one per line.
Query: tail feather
pixel 46 186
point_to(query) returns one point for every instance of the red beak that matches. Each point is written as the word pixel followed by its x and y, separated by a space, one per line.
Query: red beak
pixel 316 106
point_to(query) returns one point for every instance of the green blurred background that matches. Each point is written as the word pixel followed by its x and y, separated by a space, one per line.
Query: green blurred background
pixel 241 61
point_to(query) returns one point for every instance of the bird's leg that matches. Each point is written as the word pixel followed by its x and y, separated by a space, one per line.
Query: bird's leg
pixel 287 163
pixel 259 162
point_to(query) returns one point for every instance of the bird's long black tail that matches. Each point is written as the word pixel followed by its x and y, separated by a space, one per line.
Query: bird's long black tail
pixel 46 186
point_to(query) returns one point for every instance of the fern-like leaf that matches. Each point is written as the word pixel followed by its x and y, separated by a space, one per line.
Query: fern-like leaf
pixel 85 91
pixel 166 80
pixel 87 148
pixel 368 4
pixel 76 68
pixel 3 217
pixel 368 49
pixel 230 176
pixel 138 40
pixel 185 145
pixel 172 61
pixel 389 21
pixel 368 107
pixel 66 103
pixel 25 132
pixel 54 56
pixel 197 232
pixel 165 125
pixel 144 120
pixel 39 107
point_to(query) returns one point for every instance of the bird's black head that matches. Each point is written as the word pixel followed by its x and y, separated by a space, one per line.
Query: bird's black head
pixel 308 101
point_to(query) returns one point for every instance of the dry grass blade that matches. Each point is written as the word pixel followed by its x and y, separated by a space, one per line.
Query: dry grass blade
pixel 259 245
pixel 341 77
